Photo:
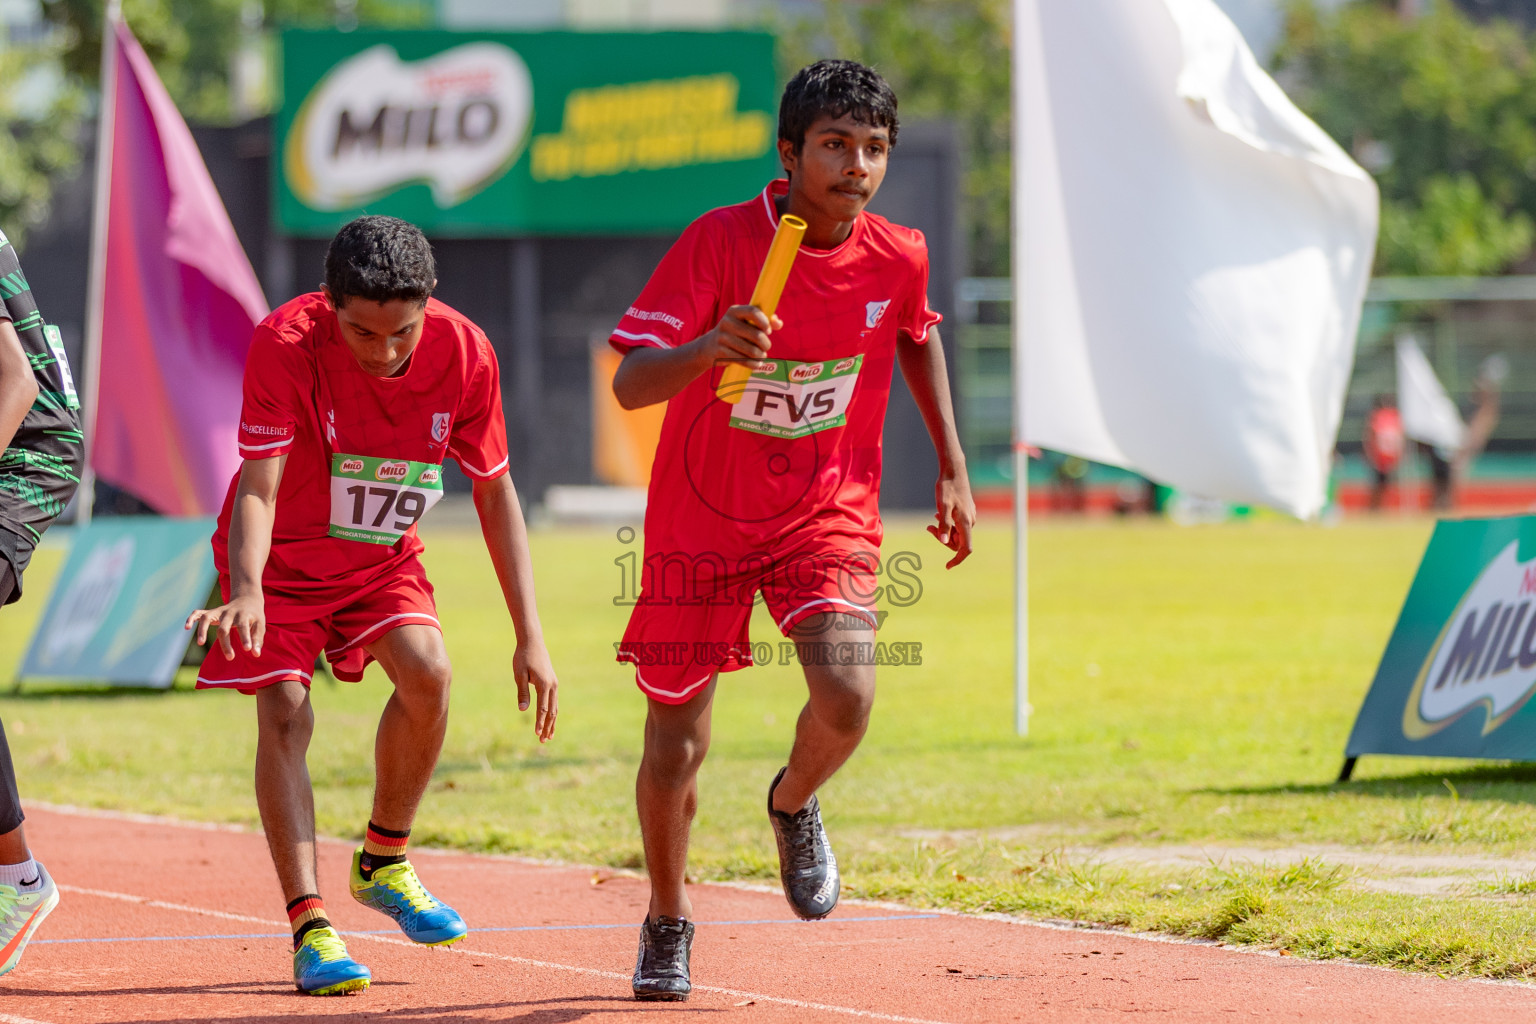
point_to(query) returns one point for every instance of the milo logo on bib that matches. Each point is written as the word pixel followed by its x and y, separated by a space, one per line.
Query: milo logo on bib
pixel 790 399
pixel 377 501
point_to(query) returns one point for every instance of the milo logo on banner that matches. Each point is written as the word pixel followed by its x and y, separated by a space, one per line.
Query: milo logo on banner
pixel 455 121
pixel 1486 655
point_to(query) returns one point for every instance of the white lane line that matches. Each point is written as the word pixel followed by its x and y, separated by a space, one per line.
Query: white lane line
pixel 135 818
pixel 616 976
pixel 11 1018
pixel 525 961
pixel 1017 920
pixel 162 905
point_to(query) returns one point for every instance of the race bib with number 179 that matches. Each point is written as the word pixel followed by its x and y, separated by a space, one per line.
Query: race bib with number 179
pixel 377 500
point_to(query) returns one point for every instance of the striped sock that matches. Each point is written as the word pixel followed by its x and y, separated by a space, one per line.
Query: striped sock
pixel 305 914
pixel 381 847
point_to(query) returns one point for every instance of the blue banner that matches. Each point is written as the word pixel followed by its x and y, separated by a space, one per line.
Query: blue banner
pixel 118 606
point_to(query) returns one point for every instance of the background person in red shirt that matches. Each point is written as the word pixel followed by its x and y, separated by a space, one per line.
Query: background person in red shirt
pixel 778 494
pixel 1384 444
pixel 354 395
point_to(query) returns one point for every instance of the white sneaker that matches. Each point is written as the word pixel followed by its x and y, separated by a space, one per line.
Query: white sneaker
pixel 20 914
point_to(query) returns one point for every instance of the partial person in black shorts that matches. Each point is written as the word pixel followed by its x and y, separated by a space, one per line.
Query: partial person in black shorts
pixel 41 455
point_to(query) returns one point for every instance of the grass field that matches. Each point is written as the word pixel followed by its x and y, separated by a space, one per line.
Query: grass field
pixel 1191 686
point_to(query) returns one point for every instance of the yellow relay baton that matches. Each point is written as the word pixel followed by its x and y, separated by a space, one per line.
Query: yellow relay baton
pixel 770 285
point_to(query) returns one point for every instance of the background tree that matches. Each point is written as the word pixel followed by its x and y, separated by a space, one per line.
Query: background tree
pixel 194 43
pixel 1442 110
pixel 945 59
pixel 40 120
pixel 45 82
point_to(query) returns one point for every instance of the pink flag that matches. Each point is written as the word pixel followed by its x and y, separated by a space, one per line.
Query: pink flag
pixel 179 306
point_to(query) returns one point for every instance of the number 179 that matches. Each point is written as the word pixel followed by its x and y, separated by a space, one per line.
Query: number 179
pixel 404 502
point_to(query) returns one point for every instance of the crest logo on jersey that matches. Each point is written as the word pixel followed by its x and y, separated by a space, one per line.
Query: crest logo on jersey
pixel 440 426
pixel 393 470
pixel 874 312
pixel 330 425
pixel 352 465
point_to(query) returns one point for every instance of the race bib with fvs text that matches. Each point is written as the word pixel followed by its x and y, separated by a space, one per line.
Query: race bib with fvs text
pixel 784 398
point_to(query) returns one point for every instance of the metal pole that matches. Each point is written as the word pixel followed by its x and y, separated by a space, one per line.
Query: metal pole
pixel 528 364
pixel 95 303
pixel 1021 708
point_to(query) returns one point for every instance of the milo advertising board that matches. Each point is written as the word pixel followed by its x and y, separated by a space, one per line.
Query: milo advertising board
pixel 490 134
pixel 1460 668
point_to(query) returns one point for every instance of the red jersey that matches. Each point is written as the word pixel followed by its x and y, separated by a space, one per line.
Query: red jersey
pixel 800 454
pixel 364 452
pixel 1384 440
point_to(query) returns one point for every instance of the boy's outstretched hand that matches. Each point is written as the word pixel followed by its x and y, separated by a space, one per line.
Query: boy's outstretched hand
pixel 532 668
pixel 244 617
pixel 956 515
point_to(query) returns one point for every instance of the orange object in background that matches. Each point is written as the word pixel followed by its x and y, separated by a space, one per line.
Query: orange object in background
pixel 623 440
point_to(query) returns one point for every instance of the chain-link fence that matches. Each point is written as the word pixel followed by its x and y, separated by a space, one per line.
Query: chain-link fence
pixel 1459 322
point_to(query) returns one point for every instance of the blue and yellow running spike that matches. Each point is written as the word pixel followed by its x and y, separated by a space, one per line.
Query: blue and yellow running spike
pixel 322 966
pixel 395 890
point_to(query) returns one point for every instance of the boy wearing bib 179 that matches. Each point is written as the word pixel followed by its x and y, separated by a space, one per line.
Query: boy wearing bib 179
pixel 777 494
pixel 354 395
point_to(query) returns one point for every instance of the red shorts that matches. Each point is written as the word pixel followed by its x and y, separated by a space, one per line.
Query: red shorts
pixel 291 648
pixel 693 614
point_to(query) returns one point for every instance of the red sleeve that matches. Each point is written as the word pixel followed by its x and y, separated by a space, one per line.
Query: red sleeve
pixel 278 383
pixel 682 299
pixel 479 439
pixel 915 316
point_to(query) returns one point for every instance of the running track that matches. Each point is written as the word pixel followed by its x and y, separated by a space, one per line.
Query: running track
pixel 164 921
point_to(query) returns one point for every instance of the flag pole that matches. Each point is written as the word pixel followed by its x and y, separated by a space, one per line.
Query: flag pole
pixel 1021 708
pixel 96 296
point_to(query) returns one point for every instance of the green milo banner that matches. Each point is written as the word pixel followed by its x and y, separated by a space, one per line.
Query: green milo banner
pixel 490 134
pixel 117 611
pixel 1460 668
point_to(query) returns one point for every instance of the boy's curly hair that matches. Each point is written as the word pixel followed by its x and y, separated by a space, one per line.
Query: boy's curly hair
pixel 380 259
pixel 833 88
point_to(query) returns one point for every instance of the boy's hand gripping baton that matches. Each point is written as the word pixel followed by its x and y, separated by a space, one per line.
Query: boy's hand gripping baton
pixel 770 285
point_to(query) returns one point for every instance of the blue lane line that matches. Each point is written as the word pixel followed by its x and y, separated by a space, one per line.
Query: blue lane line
pixel 472 931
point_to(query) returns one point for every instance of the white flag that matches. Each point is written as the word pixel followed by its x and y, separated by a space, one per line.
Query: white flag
pixel 1191 253
pixel 1428 413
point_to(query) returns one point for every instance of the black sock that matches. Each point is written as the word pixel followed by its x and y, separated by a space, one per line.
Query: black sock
pixel 305 914
pixel 381 847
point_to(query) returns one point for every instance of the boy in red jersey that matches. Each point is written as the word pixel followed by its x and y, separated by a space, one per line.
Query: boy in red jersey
pixel 779 493
pixel 353 397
